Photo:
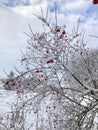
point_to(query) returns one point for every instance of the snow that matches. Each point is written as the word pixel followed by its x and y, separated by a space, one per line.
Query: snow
pixel 7 100
pixel 6 97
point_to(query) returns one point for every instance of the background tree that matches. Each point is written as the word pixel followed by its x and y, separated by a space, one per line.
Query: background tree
pixel 8 83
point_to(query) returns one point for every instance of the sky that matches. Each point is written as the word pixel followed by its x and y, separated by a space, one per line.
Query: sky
pixel 15 15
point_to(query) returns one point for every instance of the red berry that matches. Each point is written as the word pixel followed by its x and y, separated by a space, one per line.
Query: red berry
pixel 47 51
pixel 49 61
pixel 63 33
pixel 58 30
pixel 38 71
pixel 95 1
pixel 23 59
pixel 81 52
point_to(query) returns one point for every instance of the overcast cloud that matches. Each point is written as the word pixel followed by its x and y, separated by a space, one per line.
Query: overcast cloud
pixel 16 14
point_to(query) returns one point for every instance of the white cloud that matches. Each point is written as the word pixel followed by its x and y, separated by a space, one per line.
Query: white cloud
pixel 12 39
pixel 30 9
pixel 76 6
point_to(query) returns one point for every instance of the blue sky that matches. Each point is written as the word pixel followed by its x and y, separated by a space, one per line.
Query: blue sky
pixel 16 14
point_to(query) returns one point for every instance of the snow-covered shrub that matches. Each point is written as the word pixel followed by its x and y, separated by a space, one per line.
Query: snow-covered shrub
pixel 61 81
